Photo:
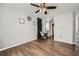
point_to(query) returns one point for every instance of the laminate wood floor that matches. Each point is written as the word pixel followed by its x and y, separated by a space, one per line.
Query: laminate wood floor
pixel 40 47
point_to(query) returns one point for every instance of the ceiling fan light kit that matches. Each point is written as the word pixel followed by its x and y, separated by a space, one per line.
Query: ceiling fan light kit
pixel 43 7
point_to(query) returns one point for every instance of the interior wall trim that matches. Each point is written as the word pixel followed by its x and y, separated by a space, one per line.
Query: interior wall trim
pixel 64 41
pixel 16 44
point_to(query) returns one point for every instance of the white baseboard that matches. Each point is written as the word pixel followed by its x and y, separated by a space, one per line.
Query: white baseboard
pixel 16 45
pixel 65 41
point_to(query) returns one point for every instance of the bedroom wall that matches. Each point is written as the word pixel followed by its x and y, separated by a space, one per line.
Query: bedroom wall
pixel 11 32
pixel 63 27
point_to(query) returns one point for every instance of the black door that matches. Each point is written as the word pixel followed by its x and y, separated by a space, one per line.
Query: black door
pixel 39 28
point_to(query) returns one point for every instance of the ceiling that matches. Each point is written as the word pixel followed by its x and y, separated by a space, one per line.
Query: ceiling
pixel 61 7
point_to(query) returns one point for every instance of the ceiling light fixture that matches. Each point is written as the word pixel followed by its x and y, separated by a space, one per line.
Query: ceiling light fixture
pixel 43 7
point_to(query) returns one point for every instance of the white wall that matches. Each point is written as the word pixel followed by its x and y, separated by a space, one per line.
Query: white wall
pixel 11 32
pixel 63 27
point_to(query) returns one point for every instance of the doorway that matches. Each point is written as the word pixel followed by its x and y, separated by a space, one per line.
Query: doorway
pixel 39 28
pixel 52 28
pixel 77 36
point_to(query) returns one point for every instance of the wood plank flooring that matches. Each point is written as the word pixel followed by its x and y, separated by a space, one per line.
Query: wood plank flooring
pixel 40 47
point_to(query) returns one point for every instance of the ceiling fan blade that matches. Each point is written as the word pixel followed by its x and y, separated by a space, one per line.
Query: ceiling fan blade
pixel 34 5
pixel 51 7
pixel 37 11
pixel 45 12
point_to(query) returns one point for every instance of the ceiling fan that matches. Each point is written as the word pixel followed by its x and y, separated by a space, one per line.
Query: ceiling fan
pixel 43 7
